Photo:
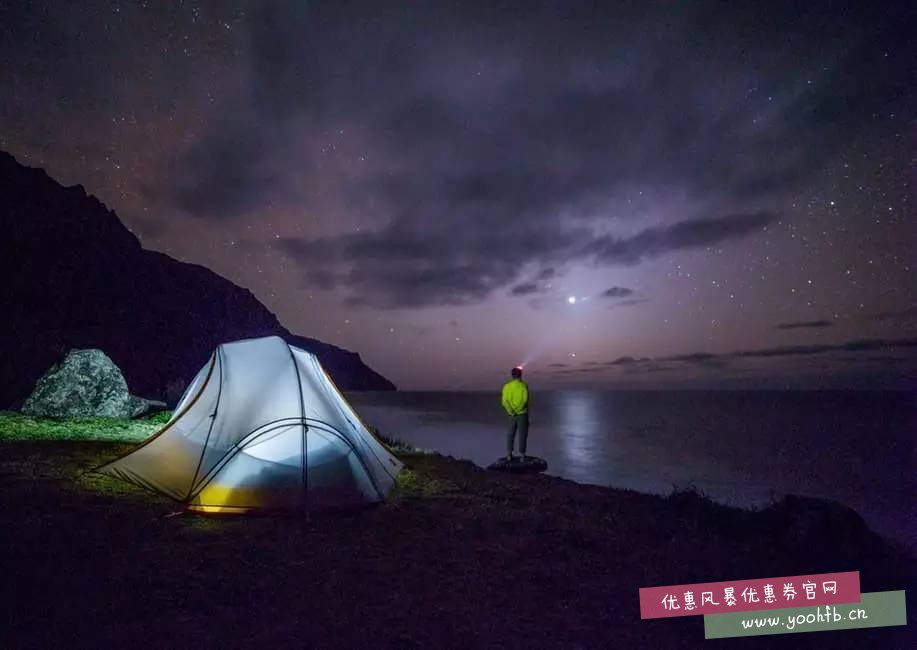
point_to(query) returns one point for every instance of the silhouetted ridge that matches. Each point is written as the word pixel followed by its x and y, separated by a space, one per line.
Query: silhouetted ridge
pixel 75 277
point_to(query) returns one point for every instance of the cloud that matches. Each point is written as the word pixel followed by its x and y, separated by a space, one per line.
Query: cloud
pixel 871 359
pixel 595 134
pixel 720 360
pixel 621 361
pixel 694 357
pixel 700 359
pixel 525 289
pixel 493 156
pixel 907 313
pixel 617 292
pixel 693 233
pixel 813 324
pixel 226 174
pixel 578 371
pixel 535 286
pixel 857 345
pixel 661 368
pixel 416 265
pixel 727 362
pixel 411 263
pixel 649 367
pixel 628 303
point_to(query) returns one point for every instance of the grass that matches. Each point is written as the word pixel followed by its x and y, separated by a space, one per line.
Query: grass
pixel 396 445
pixel 15 426
pixel 456 557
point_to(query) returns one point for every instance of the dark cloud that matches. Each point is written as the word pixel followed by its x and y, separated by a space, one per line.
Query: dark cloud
pixel 224 175
pixel 872 359
pixel 907 313
pixel 707 359
pixel 726 361
pixel 682 235
pixel 417 265
pixel 849 346
pixel 701 360
pixel 426 154
pixel 535 286
pixel 661 368
pixel 557 365
pixel 621 361
pixel 525 289
pixel 649 367
pixel 617 292
pixel 488 149
pixel 839 353
pixel 694 357
pixel 628 303
pixel 810 324
pixel 579 371
pixel 413 264
pixel 280 34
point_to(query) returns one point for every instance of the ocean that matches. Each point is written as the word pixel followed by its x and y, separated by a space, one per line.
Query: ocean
pixel 743 448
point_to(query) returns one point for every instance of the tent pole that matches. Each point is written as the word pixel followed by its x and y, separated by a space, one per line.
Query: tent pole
pixel 213 418
pixel 305 431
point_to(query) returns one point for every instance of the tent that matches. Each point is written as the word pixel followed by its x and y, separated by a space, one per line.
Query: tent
pixel 261 427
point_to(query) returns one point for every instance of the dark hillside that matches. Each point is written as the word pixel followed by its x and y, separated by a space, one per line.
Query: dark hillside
pixel 76 277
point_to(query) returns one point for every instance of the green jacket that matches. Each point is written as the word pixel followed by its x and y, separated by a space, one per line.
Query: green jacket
pixel 515 398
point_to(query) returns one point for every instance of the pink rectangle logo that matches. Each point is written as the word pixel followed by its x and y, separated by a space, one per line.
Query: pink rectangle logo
pixel 749 595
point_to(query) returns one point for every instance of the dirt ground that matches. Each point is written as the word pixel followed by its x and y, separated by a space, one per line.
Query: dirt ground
pixel 458 557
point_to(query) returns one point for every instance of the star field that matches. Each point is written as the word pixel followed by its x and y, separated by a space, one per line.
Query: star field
pixel 720 193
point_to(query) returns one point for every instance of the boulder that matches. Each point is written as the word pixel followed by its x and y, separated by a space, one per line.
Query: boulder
pixel 85 384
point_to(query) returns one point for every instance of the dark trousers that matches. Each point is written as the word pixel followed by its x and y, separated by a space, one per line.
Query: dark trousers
pixel 518 423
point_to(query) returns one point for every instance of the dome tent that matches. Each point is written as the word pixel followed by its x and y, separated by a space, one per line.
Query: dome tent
pixel 261 427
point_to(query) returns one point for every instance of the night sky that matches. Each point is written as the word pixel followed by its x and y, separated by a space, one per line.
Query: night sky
pixel 639 195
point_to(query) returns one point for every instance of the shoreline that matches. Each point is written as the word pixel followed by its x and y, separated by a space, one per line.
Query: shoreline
pixel 456 556
pixel 744 450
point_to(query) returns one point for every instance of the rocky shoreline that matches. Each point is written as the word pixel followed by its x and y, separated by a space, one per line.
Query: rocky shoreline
pixel 458 557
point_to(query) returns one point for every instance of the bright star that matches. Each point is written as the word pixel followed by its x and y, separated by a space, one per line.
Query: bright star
pixel 572 300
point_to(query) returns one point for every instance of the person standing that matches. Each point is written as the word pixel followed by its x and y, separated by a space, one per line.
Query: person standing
pixel 515 400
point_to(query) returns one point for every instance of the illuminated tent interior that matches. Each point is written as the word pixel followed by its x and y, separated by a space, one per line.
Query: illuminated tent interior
pixel 261 427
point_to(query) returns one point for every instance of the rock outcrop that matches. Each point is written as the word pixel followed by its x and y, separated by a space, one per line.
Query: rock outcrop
pixel 85 384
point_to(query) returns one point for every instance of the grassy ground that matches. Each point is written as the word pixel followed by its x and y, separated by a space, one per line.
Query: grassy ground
pixel 457 557
pixel 14 426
